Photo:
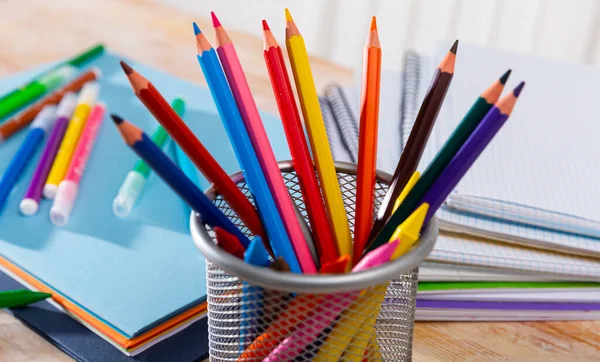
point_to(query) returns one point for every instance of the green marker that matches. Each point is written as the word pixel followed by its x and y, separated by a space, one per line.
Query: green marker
pixel 181 159
pixel 21 298
pixel 132 187
pixel 45 82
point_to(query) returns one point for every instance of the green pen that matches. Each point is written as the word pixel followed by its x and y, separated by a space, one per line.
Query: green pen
pixel 45 82
pixel 21 298
pixel 133 185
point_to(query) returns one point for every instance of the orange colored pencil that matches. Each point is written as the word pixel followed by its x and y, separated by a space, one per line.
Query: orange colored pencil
pixel 367 142
pixel 293 315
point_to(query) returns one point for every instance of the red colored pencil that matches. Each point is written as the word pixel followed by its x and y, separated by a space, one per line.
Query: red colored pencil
pixel 303 164
pixel 229 243
pixel 367 143
pixel 198 154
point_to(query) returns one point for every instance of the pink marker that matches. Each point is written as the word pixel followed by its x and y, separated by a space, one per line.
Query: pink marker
pixel 327 311
pixel 69 186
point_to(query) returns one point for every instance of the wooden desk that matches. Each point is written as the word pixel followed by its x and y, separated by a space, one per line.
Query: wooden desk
pixel 37 31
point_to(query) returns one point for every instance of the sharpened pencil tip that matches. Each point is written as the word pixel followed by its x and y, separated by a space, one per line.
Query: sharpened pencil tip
pixel 454 47
pixel 118 120
pixel 518 89
pixel 196 29
pixel 265 25
pixel 126 68
pixel 288 15
pixel 373 23
pixel 215 20
pixel 505 76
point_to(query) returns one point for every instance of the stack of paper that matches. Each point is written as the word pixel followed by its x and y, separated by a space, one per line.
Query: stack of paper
pixel 134 281
pixel 526 212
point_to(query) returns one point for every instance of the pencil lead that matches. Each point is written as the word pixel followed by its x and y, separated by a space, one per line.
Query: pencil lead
pixel 126 68
pixel 196 29
pixel 116 119
pixel 518 89
pixel 505 76
pixel 454 47
pixel 265 25
pixel 373 24
pixel 215 20
pixel 288 16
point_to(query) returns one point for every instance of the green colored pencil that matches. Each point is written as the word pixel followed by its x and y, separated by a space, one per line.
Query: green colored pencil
pixel 439 286
pixel 21 298
pixel 468 124
pixel 45 82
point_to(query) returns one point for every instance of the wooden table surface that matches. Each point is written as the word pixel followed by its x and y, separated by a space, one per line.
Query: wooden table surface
pixel 38 31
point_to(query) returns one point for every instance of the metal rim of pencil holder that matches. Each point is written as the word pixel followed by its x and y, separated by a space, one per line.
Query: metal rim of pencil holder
pixel 313 283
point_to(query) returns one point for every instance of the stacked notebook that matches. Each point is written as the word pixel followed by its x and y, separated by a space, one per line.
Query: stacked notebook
pixel 526 213
pixel 137 283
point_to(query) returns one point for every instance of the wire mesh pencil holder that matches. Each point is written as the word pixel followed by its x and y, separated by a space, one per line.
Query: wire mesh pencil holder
pixel 257 314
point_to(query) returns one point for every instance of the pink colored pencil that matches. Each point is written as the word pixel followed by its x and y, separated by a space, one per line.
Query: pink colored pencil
pixel 258 136
pixel 328 310
pixel 69 186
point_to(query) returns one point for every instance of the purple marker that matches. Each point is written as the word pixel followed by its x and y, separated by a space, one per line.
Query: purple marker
pixel 470 150
pixel 31 201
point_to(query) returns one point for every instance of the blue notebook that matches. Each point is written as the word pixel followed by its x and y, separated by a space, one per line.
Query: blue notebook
pixel 135 273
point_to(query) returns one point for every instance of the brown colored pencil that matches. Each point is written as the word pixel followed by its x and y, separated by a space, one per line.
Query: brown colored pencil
pixel 411 156
pixel 198 154
pixel 21 120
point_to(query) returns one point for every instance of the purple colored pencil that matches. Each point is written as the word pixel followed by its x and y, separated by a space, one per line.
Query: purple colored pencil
pixel 31 201
pixel 470 304
pixel 470 151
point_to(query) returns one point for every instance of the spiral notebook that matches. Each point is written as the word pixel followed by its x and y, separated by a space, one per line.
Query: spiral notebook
pixel 457 256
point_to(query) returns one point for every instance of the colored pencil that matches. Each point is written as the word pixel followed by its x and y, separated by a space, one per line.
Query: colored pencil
pixel 30 203
pixel 22 119
pixel 21 298
pixel 172 175
pixel 308 236
pixel 470 151
pixel 338 266
pixel 417 140
pixel 367 142
pixel 303 164
pixel 319 318
pixel 309 101
pixel 252 146
pixel 85 102
pixel 275 301
pixel 460 163
pixel 43 82
pixel 68 189
pixel 369 302
pixel 296 311
pixel 188 142
pixel 229 243
pixel 40 126
pixel 252 296
pixel 468 124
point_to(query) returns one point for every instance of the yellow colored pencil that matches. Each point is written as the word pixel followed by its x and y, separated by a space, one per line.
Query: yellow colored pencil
pixel 364 310
pixel 85 102
pixel 309 101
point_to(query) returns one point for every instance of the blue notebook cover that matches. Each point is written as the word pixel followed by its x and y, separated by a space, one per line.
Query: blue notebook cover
pixel 135 273
pixel 80 343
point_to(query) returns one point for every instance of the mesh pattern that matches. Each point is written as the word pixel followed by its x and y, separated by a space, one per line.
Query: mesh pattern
pixel 246 323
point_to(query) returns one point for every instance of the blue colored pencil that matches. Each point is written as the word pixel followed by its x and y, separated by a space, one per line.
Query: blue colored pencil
pixel 252 296
pixel 174 177
pixel 42 123
pixel 245 153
